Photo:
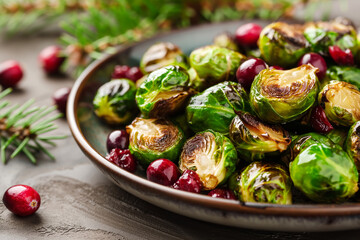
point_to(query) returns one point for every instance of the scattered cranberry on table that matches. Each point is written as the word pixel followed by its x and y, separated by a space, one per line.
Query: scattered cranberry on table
pixel 10 73
pixel 248 34
pixel 163 171
pixel 317 61
pixel 248 70
pixel 189 181
pixel 123 159
pixel 22 200
pixel 222 193
pixel 341 57
pixel 60 98
pixel 117 139
pixel 319 121
pixel 124 71
pixel 51 59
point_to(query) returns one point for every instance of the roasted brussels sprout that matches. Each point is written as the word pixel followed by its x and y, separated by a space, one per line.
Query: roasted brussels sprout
pixel 164 92
pixel 211 155
pixel 352 144
pixel 151 139
pixel 341 103
pixel 161 55
pixel 322 170
pixel 255 140
pixel 345 73
pixel 282 44
pixel 225 40
pixel 262 182
pixel 214 108
pixel 215 64
pixel 280 96
pixel 115 101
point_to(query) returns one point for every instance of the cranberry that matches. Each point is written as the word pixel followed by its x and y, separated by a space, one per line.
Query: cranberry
pixel 317 61
pixel 60 98
pixel 163 171
pixel 123 159
pixel 340 56
pixel 51 59
pixel 276 67
pixel 189 181
pixel 319 121
pixel 222 193
pixel 120 71
pixel 247 71
pixel 10 73
pixel 248 34
pixel 22 200
pixel 117 139
pixel 134 74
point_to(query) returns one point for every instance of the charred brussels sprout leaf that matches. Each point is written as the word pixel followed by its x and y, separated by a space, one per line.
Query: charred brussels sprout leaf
pixel 255 140
pixel 161 55
pixel 280 96
pixel 225 40
pixel 211 155
pixel 344 73
pixel 164 92
pixel 115 101
pixel 341 103
pixel 262 182
pixel 214 108
pixel 282 44
pixel 352 144
pixel 151 139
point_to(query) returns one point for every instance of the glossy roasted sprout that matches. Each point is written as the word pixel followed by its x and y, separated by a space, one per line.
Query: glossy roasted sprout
pixel 345 73
pixel 256 140
pixel 280 96
pixel 225 40
pixel 215 107
pixel 164 92
pixel 115 103
pixel 352 144
pixel 262 182
pixel 341 103
pixel 151 139
pixel 322 170
pixel 161 55
pixel 211 155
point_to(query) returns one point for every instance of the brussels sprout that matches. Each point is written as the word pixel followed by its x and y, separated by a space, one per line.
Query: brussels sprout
pixel 282 44
pixel 280 96
pixel 225 40
pixel 214 108
pixel 164 92
pixel 151 139
pixel 262 182
pixel 115 101
pixel 254 140
pixel 352 144
pixel 341 103
pixel 322 170
pixel 211 155
pixel 338 136
pixel 344 73
pixel 161 55
pixel 215 64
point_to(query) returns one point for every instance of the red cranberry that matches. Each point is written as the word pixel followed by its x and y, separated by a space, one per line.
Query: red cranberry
pixel 120 71
pixel 319 121
pixel 248 34
pixel 117 139
pixel 317 61
pixel 51 59
pixel 134 74
pixel 340 56
pixel 222 193
pixel 189 181
pixel 163 171
pixel 10 73
pixel 123 159
pixel 276 67
pixel 247 71
pixel 60 98
pixel 22 200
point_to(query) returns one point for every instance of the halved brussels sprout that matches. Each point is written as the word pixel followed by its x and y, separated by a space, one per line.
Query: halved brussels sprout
pixel 151 139
pixel 225 40
pixel 322 170
pixel 211 155
pixel 215 107
pixel 341 103
pixel 254 140
pixel 115 101
pixel 164 92
pixel 282 44
pixel 161 55
pixel 262 182
pixel 280 96
pixel 352 144
pixel 215 64
pixel 344 73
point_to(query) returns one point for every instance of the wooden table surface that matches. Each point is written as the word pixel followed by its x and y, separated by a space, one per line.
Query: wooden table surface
pixel 78 201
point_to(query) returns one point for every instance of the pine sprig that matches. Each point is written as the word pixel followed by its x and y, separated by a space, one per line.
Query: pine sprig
pixel 21 129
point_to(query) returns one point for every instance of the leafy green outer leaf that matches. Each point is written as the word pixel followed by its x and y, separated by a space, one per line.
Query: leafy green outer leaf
pixel 262 182
pixel 345 73
pixel 352 143
pixel 215 107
